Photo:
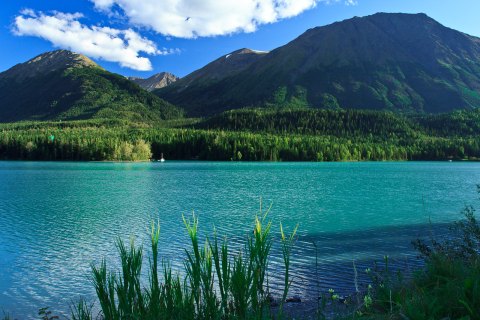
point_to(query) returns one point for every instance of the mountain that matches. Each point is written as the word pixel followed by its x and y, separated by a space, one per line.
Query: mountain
pixel 401 62
pixel 46 63
pixel 69 86
pixel 222 68
pixel 194 84
pixel 156 81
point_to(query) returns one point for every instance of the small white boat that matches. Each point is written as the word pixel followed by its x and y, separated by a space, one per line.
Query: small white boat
pixel 162 159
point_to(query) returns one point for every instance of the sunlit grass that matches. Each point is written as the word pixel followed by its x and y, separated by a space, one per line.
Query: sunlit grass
pixel 218 283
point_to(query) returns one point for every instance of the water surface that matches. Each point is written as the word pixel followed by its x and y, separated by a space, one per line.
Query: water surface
pixel 58 218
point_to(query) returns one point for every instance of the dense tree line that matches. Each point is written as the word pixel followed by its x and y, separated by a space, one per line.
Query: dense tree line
pixel 340 123
pixel 63 142
pixel 459 123
pixel 347 123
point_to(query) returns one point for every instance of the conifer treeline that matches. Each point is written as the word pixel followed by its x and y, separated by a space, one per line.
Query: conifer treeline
pixel 347 123
pixel 252 135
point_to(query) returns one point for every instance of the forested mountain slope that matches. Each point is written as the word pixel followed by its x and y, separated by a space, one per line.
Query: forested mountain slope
pixel 67 86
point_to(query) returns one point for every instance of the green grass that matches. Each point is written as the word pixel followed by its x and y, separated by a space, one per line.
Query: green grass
pixel 218 284
pixel 447 288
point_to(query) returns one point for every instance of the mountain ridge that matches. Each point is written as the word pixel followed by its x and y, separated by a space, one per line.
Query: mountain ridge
pixel 63 85
pixel 401 62
pixel 219 69
pixel 48 62
pixel 156 81
pixel 407 63
pixel 225 65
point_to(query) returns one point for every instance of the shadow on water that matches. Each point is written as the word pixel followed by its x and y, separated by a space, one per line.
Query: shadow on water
pixel 337 251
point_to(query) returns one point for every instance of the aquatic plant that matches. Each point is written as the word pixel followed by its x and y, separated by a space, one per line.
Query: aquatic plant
pixel 6 316
pixel 287 244
pixel 218 284
pixel 81 310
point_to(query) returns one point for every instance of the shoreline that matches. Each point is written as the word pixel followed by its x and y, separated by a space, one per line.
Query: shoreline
pixel 243 161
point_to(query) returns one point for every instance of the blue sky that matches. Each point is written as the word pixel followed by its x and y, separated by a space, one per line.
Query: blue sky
pixel 143 37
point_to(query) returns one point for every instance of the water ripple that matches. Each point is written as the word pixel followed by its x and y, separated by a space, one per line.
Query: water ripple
pixel 56 219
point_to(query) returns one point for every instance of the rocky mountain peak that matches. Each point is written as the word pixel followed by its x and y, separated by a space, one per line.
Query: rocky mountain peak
pixel 48 62
pixel 156 81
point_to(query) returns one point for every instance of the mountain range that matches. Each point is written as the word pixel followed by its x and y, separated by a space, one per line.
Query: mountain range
pixel 401 62
pixel 63 85
pixel 407 63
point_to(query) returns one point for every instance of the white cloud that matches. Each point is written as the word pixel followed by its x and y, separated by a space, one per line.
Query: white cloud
pixel 199 18
pixel 65 31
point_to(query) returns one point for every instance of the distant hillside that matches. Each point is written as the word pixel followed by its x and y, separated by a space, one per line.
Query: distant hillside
pixel 199 85
pixel 157 81
pixel 401 62
pixel 68 86
pixel 221 68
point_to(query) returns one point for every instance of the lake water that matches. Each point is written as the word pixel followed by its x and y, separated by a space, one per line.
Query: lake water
pixel 58 218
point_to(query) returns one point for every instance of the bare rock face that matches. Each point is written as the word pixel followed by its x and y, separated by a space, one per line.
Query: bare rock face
pixel 48 62
pixel 157 81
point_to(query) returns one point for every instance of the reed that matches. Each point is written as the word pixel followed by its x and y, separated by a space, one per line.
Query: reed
pixel 154 294
pixel 218 283
pixel 223 269
pixel 81 310
pixel 288 242
pixel 6 316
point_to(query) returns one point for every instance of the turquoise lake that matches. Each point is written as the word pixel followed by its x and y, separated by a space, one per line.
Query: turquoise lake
pixel 56 219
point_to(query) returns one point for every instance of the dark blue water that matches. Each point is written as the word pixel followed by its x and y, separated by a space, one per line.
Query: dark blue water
pixel 58 218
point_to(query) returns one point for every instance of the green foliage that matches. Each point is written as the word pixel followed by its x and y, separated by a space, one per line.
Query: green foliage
pixel 241 279
pixel 447 288
pixel 329 102
pixel 81 93
pixel 458 123
pixel 126 151
pixel 340 123
pixel 280 96
pixel 81 310
pixel 284 98
pixel 251 135
pixel 287 245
